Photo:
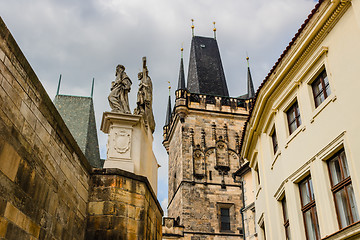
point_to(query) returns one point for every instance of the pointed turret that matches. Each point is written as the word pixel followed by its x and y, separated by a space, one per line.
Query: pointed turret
pixel 168 112
pixel 181 82
pixel 250 85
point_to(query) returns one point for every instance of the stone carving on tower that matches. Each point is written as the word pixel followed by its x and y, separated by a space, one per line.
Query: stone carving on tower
pixel 118 97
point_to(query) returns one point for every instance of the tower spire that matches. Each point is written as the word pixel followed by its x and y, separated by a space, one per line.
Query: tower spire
pixel 58 88
pixel 250 85
pixel 92 87
pixel 168 111
pixel 181 82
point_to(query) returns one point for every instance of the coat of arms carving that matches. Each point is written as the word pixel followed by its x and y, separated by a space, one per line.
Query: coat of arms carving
pixel 122 141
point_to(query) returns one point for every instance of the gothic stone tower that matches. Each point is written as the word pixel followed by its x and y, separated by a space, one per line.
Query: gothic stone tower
pixel 201 136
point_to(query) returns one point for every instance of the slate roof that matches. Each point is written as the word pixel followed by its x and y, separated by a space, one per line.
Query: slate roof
pixel 79 116
pixel 206 73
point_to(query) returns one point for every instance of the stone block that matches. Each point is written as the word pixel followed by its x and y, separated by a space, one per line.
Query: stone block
pixel 2 55
pixel 9 161
pixel 121 209
pixel 14 232
pixel 132 225
pixel 3 226
pixel 109 208
pixel 21 220
pixel 95 208
pixel 82 191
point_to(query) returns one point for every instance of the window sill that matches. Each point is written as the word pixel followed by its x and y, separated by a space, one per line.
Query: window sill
pixel 350 231
pixel 278 153
pixel 322 106
pixel 294 134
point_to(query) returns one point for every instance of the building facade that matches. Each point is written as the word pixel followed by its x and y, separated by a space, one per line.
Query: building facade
pixel 302 136
pixel 202 137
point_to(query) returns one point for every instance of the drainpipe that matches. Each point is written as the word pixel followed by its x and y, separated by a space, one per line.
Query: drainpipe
pixel 242 209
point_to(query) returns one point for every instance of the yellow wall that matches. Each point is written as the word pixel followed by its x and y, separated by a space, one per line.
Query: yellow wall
pixel 331 41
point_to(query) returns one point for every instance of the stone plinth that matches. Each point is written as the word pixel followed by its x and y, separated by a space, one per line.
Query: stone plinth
pixel 129 145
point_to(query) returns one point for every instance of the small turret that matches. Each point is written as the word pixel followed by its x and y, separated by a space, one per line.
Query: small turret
pixel 181 82
pixel 250 85
pixel 168 111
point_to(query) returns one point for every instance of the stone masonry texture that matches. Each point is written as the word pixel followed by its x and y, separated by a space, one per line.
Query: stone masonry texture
pixel 198 187
pixel 48 189
pixel 44 176
pixel 122 206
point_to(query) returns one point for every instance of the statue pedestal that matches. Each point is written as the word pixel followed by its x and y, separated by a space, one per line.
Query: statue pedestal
pixel 129 145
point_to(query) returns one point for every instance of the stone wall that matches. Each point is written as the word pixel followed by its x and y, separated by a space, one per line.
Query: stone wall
pixel 44 176
pixel 122 205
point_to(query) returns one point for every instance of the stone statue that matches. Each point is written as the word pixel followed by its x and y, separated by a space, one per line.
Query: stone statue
pixel 118 97
pixel 144 98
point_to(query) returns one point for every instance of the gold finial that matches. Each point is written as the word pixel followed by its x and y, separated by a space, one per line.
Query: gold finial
pixel 182 50
pixel 192 26
pixel 214 30
pixel 169 87
pixel 247 59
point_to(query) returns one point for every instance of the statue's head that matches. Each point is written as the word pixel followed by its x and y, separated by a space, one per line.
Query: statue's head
pixel 119 68
pixel 140 75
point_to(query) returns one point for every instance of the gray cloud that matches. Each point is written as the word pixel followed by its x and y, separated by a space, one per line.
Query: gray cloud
pixel 86 39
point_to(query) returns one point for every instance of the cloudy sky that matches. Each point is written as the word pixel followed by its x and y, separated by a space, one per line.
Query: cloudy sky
pixel 82 39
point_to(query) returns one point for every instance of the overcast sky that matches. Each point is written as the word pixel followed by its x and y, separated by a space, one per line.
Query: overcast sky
pixel 82 39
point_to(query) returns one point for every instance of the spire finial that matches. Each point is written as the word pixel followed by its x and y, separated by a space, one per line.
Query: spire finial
pixel 192 27
pixel 214 31
pixel 182 50
pixel 169 87
pixel 58 88
pixel 92 87
pixel 247 59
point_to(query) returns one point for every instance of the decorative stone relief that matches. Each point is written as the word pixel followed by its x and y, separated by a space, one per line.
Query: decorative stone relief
pixel 122 141
pixel 222 155
pixel 199 163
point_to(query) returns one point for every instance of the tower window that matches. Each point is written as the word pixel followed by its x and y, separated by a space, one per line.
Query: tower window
pixel 225 219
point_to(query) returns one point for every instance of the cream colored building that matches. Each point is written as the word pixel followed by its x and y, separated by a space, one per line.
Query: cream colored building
pixel 303 135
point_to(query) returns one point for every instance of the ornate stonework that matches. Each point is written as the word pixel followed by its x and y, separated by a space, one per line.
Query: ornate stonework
pixel 202 140
pixel 122 141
